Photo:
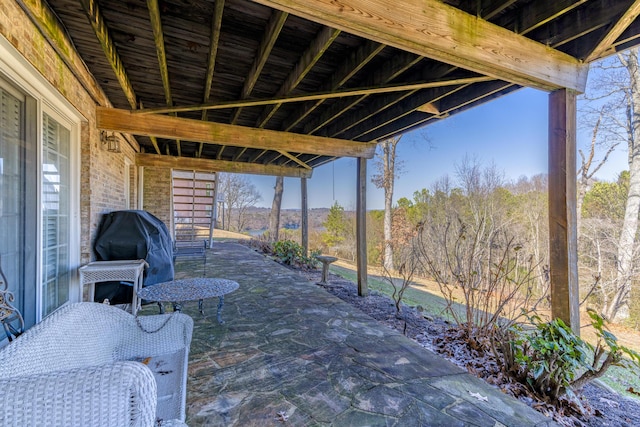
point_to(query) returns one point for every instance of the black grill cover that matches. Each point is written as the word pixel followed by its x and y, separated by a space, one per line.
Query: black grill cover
pixel 133 234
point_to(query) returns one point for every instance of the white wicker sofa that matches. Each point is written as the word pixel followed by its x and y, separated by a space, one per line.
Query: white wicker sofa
pixel 90 364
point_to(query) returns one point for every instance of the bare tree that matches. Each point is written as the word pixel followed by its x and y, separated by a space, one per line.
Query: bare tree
pixel 587 166
pixel 620 88
pixel 238 194
pixel 274 215
pixel 385 179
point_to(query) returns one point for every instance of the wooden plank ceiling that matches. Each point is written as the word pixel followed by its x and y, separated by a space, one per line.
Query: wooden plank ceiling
pixel 287 85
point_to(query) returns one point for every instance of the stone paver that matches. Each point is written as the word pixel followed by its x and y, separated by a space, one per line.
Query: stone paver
pixel 292 354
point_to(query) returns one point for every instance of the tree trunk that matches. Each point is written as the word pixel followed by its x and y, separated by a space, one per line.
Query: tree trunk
pixel 388 162
pixel 274 216
pixel 618 309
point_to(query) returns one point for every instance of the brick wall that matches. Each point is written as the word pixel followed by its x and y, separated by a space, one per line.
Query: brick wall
pixel 157 194
pixel 101 172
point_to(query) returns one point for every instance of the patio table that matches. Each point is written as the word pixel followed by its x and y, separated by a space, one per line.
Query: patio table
pixel 201 288
pixel 106 271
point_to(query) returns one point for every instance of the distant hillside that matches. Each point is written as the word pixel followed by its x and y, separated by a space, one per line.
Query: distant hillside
pixel 258 218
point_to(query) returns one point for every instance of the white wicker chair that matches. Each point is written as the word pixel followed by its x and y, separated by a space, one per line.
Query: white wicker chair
pixel 81 367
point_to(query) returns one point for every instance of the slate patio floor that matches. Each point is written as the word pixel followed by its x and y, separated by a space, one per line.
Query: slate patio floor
pixel 291 354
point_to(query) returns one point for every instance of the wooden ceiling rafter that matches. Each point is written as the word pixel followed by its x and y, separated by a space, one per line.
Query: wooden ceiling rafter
pixel 52 29
pixel 354 63
pixel 257 156
pixel 431 28
pixel 379 77
pixel 286 162
pixel 154 140
pixel 161 126
pixel 597 14
pixel 439 72
pixel 177 162
pixel 294 159
pixel 101 31
pixel 216 26
pixel 629 37
pixel 483 90
pixel 494 8
pixel 275 156
pixel 397 112
pixel 605 45
pixel 158 38
pixel 559 9
pixel 537 14
pixel 387 73
pixel 390 88
pixel 268 41
pixel 325 37
pixel 240 153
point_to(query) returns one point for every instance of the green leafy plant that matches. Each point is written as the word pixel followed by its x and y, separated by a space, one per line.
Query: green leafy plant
pixel 291 253
pixel 553 362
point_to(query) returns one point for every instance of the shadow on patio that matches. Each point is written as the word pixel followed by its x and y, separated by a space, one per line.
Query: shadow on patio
pixel 292 354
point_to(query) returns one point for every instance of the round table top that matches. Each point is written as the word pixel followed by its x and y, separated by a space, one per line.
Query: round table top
pixel 188 289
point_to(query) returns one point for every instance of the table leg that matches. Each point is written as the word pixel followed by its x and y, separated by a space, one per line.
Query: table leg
pixel 219 315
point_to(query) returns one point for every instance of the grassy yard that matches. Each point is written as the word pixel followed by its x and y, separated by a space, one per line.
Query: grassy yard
pixel 617 378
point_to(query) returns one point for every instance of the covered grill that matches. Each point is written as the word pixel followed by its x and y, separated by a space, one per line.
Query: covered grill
pixel 129 235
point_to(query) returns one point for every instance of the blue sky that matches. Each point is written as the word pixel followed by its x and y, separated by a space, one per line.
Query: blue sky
pixel 510 131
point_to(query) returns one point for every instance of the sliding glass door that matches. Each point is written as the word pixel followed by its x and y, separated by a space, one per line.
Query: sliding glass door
pixel 56 214
pixel 18 237
pixel 36 199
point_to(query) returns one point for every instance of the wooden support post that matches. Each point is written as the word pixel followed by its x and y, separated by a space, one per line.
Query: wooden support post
pixel 563 234
pixel 304 215
pixel 361 228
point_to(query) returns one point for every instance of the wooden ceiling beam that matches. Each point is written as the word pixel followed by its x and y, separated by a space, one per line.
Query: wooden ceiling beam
pixel 222 134
pixel 309 58
pixel 354 63
pixel 605 47
pixel 216 25
pixel 536 14
pixel 101 31
pixel 447 106
pixel 391 88
pixel 176 162
pixel 495 7
pixel 257 156
pixel 271 33
pixel 436 30
pixel 382 76
pixel 439 71
pixel 628 38
pixel 390 115
pixel 54 32
pixel 154 140
pixel 158 38
pixel 294 159
pixel 239 154
pixel 595 15
pixel 286 162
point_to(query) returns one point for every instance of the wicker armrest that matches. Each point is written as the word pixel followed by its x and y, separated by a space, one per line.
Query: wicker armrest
pixel 161 341
pixel 153 335
pixel 116 394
